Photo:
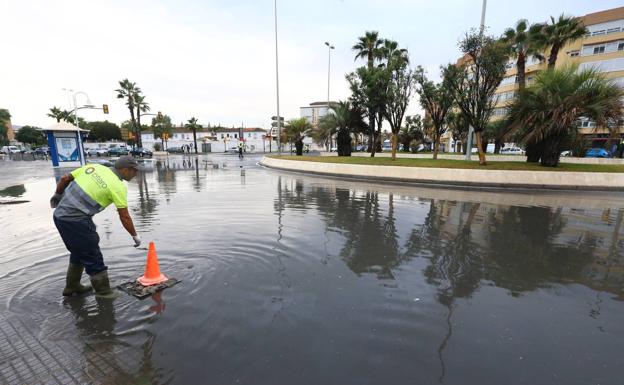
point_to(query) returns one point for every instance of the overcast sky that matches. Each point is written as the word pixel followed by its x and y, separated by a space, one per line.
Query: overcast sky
pixel 215 60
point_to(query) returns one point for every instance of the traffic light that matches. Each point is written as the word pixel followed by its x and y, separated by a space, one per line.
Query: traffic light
pixel 160 115
pixel 274 121
pixel 105 108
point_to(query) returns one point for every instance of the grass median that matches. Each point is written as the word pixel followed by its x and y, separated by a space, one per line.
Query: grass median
pixel 460 164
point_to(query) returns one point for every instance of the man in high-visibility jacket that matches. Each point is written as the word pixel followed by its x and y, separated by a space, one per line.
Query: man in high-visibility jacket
pixel 79 195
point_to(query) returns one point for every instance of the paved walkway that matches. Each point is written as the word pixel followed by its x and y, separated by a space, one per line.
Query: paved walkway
pixel 28 357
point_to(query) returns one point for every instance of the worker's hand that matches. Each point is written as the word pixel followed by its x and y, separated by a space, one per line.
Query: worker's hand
pixel 54 201
pixel 137 240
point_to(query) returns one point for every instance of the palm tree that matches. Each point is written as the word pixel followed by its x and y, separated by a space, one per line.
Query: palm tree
pixel 549 109
pixel 295 130
pixel 369 47
pixel 394 56
pixel 344 118
pixel 556 34
pixel 521 45
pixel 411 133
pixel 128 90
pixel 194 126
pixel 59 115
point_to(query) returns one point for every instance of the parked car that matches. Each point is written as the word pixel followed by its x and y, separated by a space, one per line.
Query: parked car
pixel 10 150
pixel 175 150
pixel 597 153
pixel 101 151
pixel 512 151
pixel 118 151
pixel 566 153
pixel 91 151
pixel 141 152
pixel 44 150
pixel 360 148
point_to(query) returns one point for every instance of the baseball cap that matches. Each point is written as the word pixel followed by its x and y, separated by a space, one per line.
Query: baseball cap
pixel 127 161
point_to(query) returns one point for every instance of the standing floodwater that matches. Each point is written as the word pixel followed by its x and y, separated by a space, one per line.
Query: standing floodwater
pixel 292 279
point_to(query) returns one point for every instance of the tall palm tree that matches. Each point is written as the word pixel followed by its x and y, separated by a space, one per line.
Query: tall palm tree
pixel 394 56
pixel 369 47
pixel 128 90
pixel 556 34
pixel 194 126
pixel 548 109
pixel 521 45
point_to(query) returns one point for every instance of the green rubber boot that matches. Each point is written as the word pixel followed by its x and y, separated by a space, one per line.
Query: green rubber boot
pixel 72 280
pixel 102 286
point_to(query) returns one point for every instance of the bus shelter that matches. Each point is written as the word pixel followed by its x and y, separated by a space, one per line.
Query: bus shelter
pixel 66 144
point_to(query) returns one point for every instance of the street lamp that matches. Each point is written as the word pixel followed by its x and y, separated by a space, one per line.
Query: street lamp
pixel 75 113
pixel 279 127
pixel 329 48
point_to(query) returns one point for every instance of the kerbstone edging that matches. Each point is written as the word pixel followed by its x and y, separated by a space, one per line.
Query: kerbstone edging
pixel 559 180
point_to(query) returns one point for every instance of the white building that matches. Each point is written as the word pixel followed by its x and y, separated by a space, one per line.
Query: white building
pixel 218 140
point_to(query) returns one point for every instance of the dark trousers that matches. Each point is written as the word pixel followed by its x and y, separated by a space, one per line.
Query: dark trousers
pixel 82 241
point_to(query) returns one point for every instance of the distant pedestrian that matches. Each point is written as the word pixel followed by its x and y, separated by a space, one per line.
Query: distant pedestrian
pixel 241 147
pixel 79 195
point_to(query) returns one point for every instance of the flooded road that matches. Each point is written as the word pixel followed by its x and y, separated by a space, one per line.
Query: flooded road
pixel 293 279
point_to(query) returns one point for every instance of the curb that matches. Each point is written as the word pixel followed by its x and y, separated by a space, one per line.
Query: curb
pixel 459 178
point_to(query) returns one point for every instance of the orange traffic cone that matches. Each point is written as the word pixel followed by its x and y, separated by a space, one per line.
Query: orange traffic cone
pixel 152 275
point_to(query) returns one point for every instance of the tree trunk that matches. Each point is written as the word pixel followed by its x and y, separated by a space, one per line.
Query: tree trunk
pixel 533 152
pixel 497 146
pixel 550 152
pixel 195 140
pixel 436 146
pixel 482 161
pixel 299 146
pixel 520 66
pixel 371 141
pixel 552 59
pixel 138 128
pixel 394 145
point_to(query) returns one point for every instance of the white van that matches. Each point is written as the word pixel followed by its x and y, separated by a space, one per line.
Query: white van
pixel 10 150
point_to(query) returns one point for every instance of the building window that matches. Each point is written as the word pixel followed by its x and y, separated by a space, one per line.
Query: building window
pixel 574 53
pixel 600 32
pixel 599 49
pixel 236 136
pixel 614 30
pixel 621 47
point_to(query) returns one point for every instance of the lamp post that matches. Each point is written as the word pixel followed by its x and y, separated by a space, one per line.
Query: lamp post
pixel 279 127
pixel 329 48
pixel 470 128
pixel 75 112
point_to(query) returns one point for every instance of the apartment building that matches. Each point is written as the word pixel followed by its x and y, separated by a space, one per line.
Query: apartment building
pixel 602 48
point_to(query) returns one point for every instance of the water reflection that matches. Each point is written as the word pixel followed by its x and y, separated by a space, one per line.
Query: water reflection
pixel 13 191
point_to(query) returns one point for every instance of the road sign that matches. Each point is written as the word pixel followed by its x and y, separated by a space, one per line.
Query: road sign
pixel 275 118
pixel 105 108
